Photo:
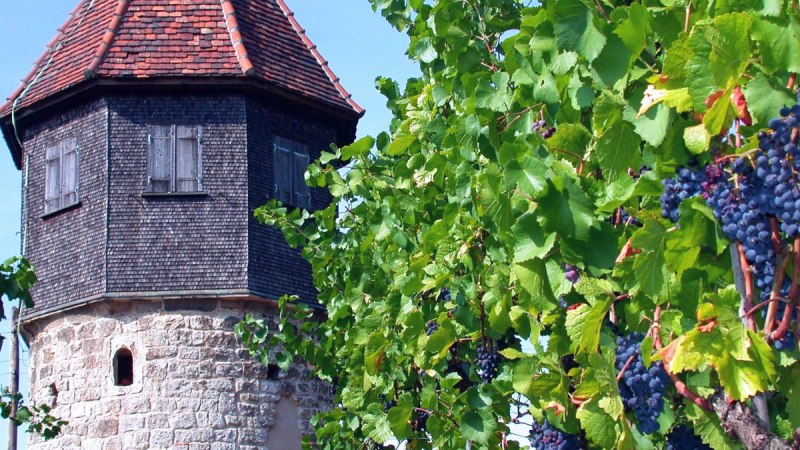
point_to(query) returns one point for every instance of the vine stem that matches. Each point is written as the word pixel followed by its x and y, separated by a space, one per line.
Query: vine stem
pixel 688 17
pixel 792 80
pixel 793 294
pixel 684 390
pixel 764 303
pixel 736 124
pixel 776 235
pixel 772 310
pixel 654 327
pixel 625 367
pixel 517 116
pixel 748 286
pixel 567 152
pixel 680 386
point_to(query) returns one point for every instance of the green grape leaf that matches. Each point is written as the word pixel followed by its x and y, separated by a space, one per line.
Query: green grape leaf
pixel 719 117
pixel 600 428
pixel 765 97
pixel 400 145
pixel 572 138
pixel 536 293
pixel 530 239
pixel 529 176
pixel 793 401
pixel 618 150
pixel 653 125
pixel 478 425
pixel 779 42
pixel 634 29
pixel 607 111
pixel 575 29
pixel 377 427
pixel 359 148
pixel 566 209
pixel 697 138
pixel 730 41
pixel 649 265
pixel 584 324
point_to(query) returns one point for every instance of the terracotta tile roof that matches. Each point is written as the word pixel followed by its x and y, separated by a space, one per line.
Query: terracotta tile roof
pixel 140 39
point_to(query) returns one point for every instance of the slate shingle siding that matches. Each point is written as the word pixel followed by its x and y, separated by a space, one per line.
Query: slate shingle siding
pixel 174 243
pixel 67 247
pixel 276 269
pixel 118 241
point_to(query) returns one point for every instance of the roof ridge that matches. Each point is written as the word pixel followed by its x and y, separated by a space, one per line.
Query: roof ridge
pixel 108 38
pixel 50 48
pixel 232 24
pixel 318 56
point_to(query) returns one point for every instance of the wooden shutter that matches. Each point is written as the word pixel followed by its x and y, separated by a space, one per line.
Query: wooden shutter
pixel 53 178
pixel 302 193
pixel 159 159
pixel 69 172
pixel 187 159
pixel 282 169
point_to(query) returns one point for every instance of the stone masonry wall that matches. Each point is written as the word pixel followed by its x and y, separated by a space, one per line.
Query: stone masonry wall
pixel 194 386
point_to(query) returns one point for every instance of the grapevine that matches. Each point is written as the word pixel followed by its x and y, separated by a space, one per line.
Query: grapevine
pixel 546 437
pixel 488 362
pixel 682 438
pixel 642 388
pixel 611 188
pixel 756 199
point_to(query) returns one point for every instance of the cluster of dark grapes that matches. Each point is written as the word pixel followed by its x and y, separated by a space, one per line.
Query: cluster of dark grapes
pixel 687 183
pixel 419 420
pixel 488 361
pixel 642 170
pixel 444 295
pixel 571 273
pixel 787 343
pixel 547 437
pixel 620 216
pixel 642 388
pixel 683 438
pixel 432 326
pixel 540 126
pixel 756 199
pixel 372 445
pixel 387 405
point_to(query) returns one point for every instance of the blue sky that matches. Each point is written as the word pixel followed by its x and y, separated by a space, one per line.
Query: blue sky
pixel 359 44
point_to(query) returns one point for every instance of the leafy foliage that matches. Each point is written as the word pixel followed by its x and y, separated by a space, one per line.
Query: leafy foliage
pixel 468 193
pixel 16 279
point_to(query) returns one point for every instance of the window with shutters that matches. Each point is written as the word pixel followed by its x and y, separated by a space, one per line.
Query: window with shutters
pixel 61 175
pixel 290 164
pixel 174 159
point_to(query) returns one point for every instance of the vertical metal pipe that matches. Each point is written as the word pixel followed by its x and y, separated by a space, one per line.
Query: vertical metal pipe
pixel 14 384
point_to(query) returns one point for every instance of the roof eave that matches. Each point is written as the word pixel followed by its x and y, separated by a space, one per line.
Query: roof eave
pixel 346 117
pixel 7 129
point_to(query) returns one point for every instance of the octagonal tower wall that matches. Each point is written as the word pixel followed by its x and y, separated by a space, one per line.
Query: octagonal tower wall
pixel 193 385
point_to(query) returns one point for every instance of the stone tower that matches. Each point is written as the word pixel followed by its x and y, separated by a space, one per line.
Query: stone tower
pixel 147 134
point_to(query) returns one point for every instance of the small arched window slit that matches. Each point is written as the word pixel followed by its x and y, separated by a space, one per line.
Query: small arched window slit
pixel 123 367
pixel 273 371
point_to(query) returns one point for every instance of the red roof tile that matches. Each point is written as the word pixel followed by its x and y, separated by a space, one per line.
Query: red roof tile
pixel 137 39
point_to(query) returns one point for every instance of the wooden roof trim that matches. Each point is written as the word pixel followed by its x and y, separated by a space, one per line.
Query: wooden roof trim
pixel 229 12
pixel 320 60
pixel 49 49
pixel 108 38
